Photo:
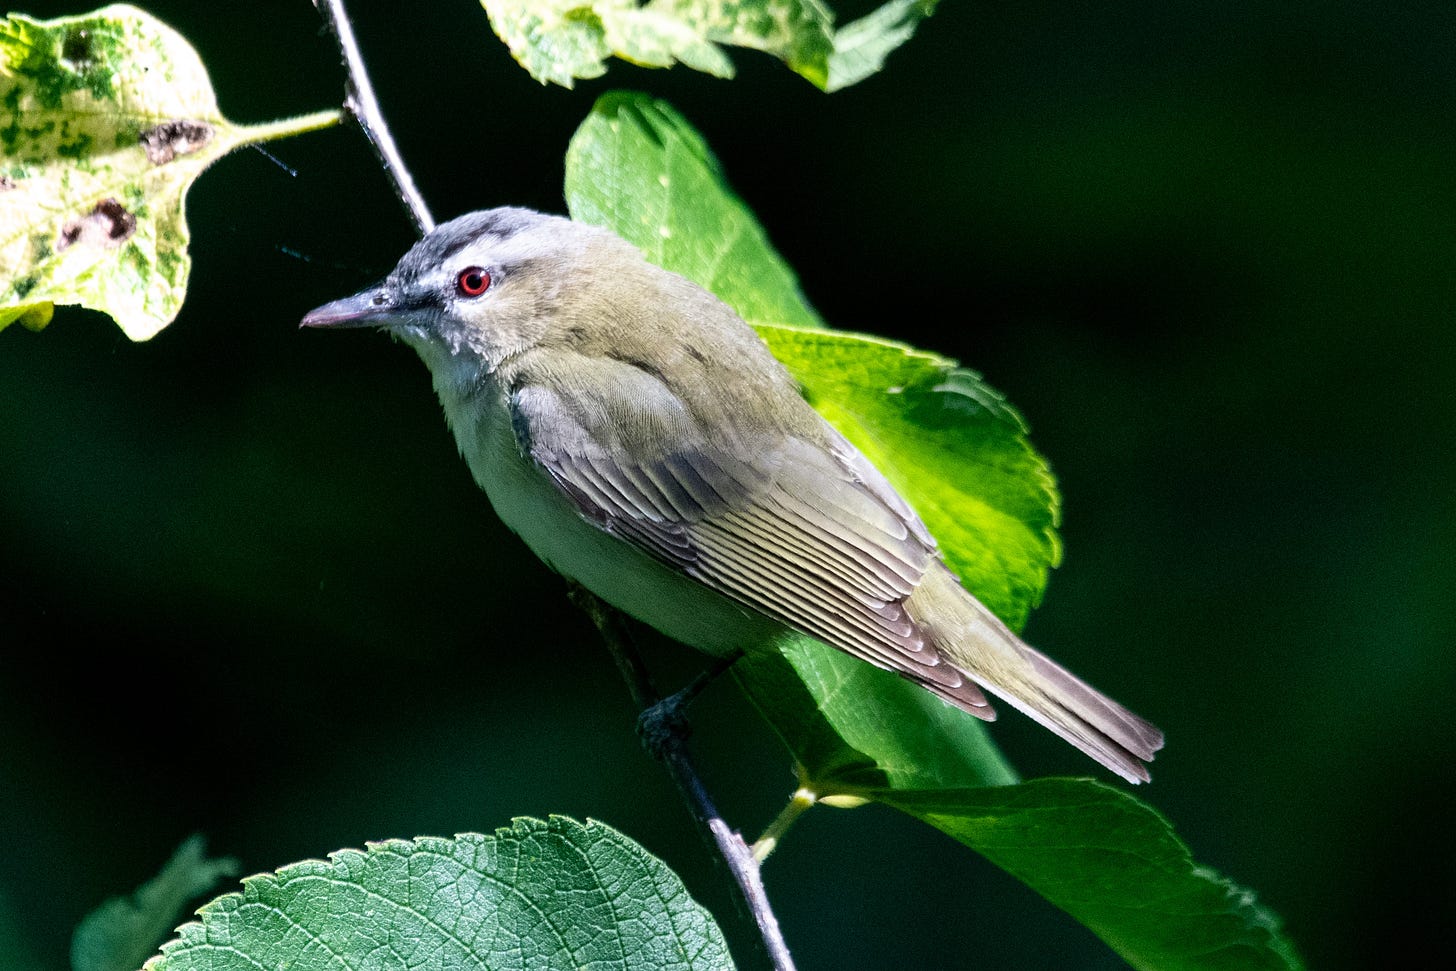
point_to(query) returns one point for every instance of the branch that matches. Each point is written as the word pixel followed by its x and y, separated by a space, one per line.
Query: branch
pixel 672 749
pixel 359 101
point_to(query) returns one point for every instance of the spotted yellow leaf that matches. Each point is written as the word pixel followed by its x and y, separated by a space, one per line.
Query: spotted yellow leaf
pixel 105 120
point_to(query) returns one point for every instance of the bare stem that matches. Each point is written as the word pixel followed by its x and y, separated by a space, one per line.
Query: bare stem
pixel 359 101
pixel 742 865
pixel 362 105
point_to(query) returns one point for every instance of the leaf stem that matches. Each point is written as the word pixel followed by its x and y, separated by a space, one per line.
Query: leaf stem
pixel 359 101
pixel 742 865
pixel 799 804
pixel 285 127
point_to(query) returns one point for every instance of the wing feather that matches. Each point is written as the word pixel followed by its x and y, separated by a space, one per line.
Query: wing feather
pixel 807 554
pixel 791 521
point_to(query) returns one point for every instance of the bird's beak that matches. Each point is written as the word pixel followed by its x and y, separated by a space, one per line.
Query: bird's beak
pixel 371 307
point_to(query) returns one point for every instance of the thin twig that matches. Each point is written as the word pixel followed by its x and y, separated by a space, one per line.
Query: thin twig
pixel 742 866
pixel 360 102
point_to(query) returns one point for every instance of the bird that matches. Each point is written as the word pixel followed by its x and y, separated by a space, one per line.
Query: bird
pixel 643 441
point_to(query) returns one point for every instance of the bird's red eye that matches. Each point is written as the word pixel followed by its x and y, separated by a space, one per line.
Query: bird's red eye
pixel 473 281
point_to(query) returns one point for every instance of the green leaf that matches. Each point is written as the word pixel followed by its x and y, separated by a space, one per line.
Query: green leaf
pixel 638 168
pixel 118 935
pixel 856 730
pixel 559 41
pixel 105 120
pixel 960 454
pixel 1115 865
pixel 540 895
pixel 860 48
pixel 950 444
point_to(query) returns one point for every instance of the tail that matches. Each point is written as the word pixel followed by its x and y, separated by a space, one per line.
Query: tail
pixel 985 650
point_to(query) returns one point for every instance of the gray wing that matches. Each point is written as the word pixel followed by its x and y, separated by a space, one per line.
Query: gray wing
pixel 800 527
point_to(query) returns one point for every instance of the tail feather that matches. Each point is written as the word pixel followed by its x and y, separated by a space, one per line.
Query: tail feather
pixel 1133 732
pixel 986 651
pixel 1055 713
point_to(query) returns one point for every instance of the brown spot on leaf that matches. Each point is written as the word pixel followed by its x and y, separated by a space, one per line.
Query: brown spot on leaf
pixel 166 141
pixel 6 183
pixel 109 225
pixel 76 48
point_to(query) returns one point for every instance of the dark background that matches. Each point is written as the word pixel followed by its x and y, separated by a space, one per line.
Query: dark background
pixel 1206 248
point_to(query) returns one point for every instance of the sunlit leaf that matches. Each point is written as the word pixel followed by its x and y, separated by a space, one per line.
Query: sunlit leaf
pixel 638 168
pixel 949 443
pixel 559 41
pixel 960 454
pixel 552 894
pixel 105 120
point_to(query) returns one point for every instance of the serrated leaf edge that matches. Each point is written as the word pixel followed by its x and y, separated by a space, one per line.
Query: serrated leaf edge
pixel 519 827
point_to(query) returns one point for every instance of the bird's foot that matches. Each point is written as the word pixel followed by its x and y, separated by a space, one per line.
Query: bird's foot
pixel 665 724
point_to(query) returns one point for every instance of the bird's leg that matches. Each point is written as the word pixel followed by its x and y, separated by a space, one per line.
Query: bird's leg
pixel 665 721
